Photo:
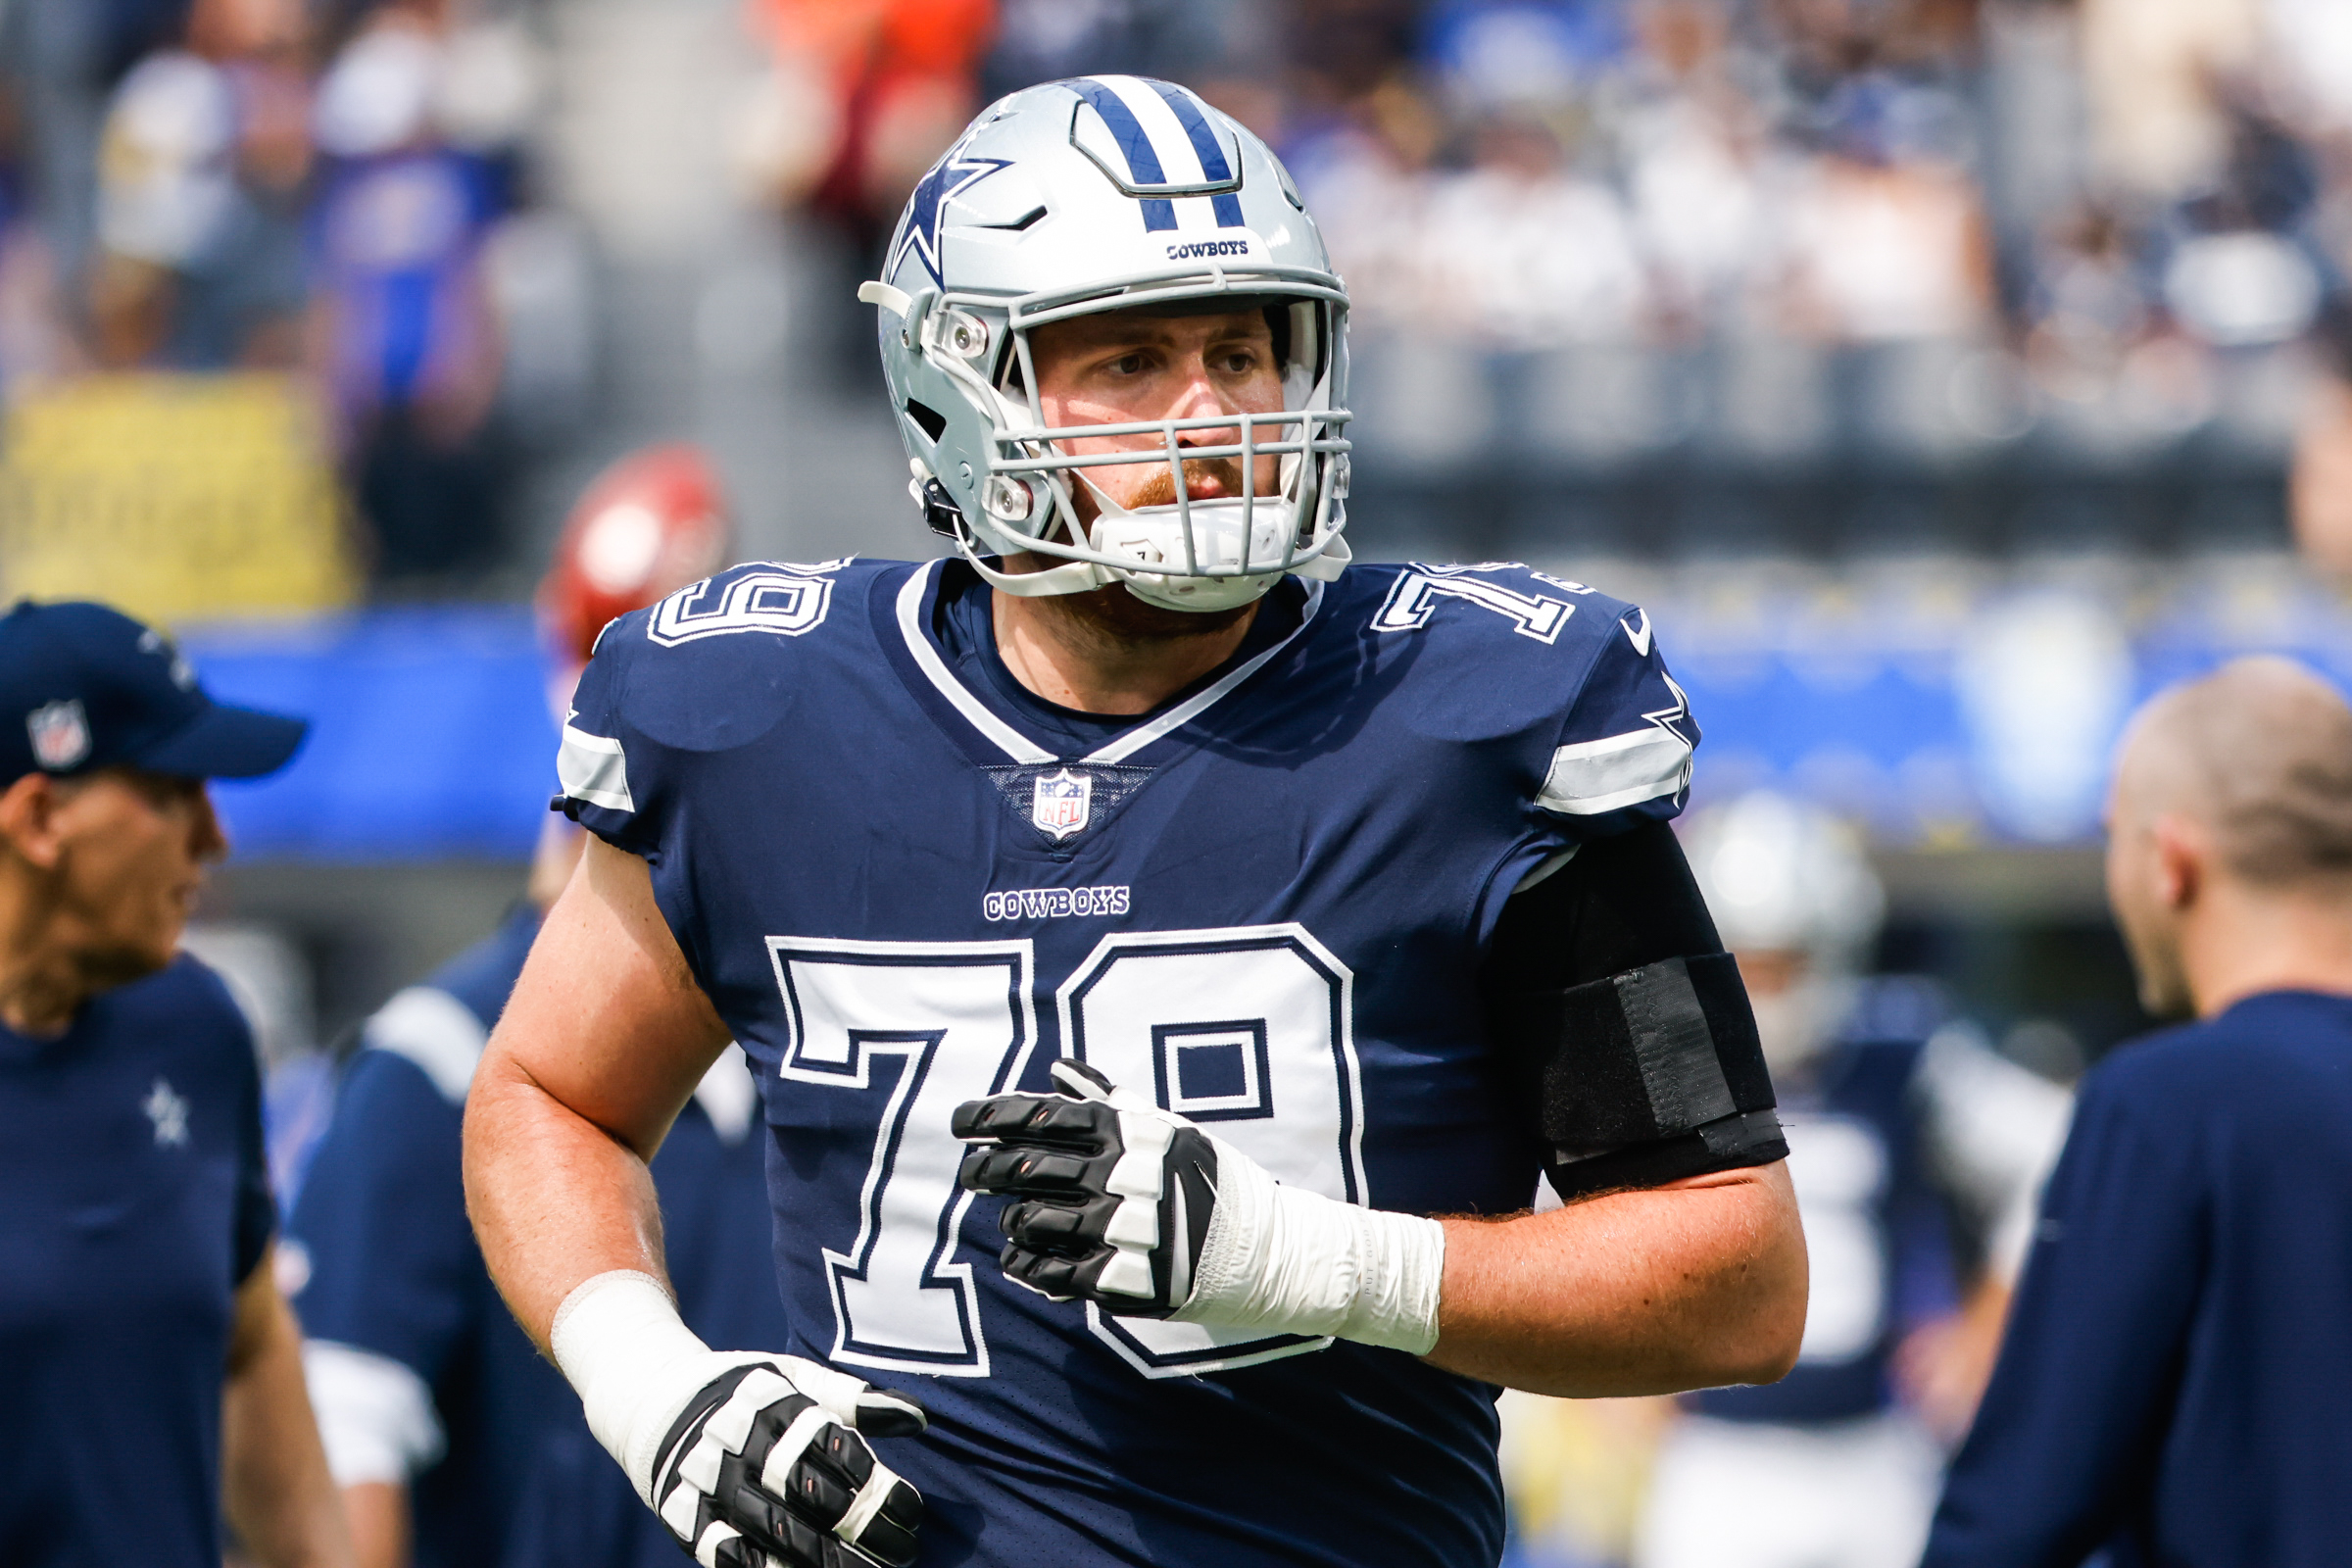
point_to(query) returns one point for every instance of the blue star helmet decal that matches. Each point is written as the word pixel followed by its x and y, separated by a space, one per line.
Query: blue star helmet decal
pixel 948 177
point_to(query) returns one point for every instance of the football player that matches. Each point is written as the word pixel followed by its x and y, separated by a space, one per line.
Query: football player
pixel 454 1443
pixel 1886 1137
pixel 1169 954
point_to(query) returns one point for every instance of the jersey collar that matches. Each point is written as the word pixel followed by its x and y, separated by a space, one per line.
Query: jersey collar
pixel 913 600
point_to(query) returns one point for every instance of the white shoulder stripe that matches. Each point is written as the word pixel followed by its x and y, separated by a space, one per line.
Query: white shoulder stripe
pixel 434 1030
pixel 592 769
pixel 375 1415
pixel 1589 777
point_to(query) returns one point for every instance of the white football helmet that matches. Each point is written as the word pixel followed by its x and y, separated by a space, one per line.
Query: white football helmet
pixel 1783 877
pixel 1108 193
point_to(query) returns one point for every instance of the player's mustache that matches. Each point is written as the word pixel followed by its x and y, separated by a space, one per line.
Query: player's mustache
pixel 1201 475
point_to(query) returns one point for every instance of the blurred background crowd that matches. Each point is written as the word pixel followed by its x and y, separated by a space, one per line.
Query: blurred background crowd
pixel 1941 375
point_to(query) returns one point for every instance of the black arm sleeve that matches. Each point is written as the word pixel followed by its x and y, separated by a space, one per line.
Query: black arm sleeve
pixel 1622 1025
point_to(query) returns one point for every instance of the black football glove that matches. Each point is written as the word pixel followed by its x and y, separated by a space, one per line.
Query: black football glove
pixel 1111 1195
pixel 757 1472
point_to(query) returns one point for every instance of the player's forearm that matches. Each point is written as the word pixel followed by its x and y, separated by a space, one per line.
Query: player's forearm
pixel 554 1198
pixel 378 1511
pixel 275 1483
pixel 1684 1287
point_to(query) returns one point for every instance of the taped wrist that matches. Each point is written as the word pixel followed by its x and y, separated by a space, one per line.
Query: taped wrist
pixel 1291 1262
pixel 1644 1077
pixel 634 1364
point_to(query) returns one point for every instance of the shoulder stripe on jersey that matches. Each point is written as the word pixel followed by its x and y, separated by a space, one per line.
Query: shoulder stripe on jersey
pixel 1184 713
pixel 592 769
pixel 376 1414
pixel 1589 777
pixel 1135 145
pixel 1196 129
pixel 1012 741
pixel 434 1030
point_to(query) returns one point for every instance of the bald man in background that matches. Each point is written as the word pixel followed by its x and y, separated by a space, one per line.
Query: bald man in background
pixel 2177 1382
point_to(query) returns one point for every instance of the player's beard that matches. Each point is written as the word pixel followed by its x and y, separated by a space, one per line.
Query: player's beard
pixel 1112 616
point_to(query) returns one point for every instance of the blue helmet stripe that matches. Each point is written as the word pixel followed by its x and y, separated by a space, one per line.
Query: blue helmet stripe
pixel 1135 145
pixel 1228 207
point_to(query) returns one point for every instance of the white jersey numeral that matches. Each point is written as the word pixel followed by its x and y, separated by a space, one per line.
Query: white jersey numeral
pixel 956 1019
pixel 1245 1029
pixel 789 600
pixel 1416 597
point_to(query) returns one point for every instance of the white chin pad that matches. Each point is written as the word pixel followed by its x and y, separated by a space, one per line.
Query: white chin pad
pixel 1153 538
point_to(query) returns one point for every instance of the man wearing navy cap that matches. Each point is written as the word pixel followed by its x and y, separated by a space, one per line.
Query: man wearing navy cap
pixel 150 1372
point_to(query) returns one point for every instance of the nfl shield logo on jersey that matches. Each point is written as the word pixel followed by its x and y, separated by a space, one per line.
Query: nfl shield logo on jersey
pixel 60 735
pixel 1061 803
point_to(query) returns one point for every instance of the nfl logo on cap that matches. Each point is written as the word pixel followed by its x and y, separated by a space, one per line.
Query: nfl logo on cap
pixel 60 734
pixel 1060 803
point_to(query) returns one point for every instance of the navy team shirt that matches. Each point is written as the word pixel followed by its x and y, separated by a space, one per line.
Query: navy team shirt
pixel 2177 1372
pixel 394 1270
pixel 906 883
pixel 137 1200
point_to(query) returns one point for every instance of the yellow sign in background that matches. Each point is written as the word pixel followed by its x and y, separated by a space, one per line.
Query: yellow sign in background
pixel 176 498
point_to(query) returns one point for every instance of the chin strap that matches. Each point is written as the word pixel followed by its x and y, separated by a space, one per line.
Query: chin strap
pixel 1071 577
pixel 1327 566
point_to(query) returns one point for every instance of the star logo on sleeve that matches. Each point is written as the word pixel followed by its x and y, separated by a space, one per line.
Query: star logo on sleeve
pixel 168 1108
pixel 949 178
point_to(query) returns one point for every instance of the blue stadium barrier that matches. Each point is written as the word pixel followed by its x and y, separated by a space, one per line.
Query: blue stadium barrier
pixel 431 736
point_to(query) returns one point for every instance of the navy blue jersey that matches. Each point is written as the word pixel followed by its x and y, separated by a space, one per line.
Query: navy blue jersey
pixel 2176 1371
pixel 905 883
pixel 394 1271
pixel 1874 1234
pixel 137 1200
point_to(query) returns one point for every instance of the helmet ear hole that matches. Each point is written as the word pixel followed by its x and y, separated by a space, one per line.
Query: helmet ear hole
pixel 933 422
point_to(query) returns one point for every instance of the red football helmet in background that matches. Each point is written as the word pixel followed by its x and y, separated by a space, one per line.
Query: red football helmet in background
pixel 650 524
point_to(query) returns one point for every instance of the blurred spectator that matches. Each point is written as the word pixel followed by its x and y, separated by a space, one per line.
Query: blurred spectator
pixel 2150 69
pixel 900 79
pixel 1045 40
pixel 201 174
pixel 1885 238
pixel 1703 205
pixel 2319 482
pixel 1492 263
pixel 1608 173
pixel 409 340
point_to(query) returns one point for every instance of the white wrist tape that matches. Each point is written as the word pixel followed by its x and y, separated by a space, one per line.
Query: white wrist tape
pixel 634 1364
pixel 1296 1263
